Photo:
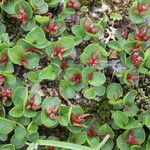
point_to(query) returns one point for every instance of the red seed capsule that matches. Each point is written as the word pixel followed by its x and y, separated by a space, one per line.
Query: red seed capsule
pixel 22 16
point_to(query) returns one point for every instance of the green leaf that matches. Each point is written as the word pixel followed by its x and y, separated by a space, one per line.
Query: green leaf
pixel 3 137
pixel 37 119
pixel 137 147
pixel 132 123
pixel 31 24
pixel 114 91
pixel 129 98
pixel 50 101
pixel 115 45
pixel 121 143
pixel 20 132
pixel 78 31
pixel 105 130
pixel 18 143
pixel 93 141
pixel 32 137
pixel 40 7
pixel 142 117
pixel 90 50
pixel 32 128
pixel 48 122
pixel 120 118
pixel 36 37
pixel 50 72
pixel 29 113
pixel 53 3
pixel 9 7
pixel 6 126
pixel 115 16
pixel 148 144
pixel 20 97
pixel 41 19
pixel 90 93
pixel 15 54
pixel 10 78
pixel 2 110
pixel 8 147
pixel 63 115
pixel 147 63
pixel 131 110
pixel 148 122
pixel 16 112
pixel 100 91
pixel 66 90
pixel 33 76
pixel 98 79
pixel 33 60
pixel 78 138
pixel 2 28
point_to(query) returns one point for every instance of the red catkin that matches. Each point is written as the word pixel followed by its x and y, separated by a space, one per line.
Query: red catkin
pixel 76 78
pixel 22 16
pixel 52 28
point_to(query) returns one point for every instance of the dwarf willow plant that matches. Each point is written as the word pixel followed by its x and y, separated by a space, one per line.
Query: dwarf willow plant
pixel 76 56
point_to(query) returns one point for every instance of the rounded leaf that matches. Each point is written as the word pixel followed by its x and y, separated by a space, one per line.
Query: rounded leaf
pixel 114 91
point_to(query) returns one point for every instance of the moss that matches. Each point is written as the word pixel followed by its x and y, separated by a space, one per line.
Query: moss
pixel 101 111
pixel 13 28
pixel 143 98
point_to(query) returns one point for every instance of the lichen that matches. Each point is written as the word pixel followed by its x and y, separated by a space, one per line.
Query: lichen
pixel 94 3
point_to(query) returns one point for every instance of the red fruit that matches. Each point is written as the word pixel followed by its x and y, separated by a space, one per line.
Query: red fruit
pixel 131 139
pixel 90 28
pixel 146 38
pixel 64 64
pixel 51 148
pixel 2 79
pixel 137 59
pixel 131 78
pixel 31 105
pixel 142 9
pixel 58 52
pixel 74 4
pixel 90 76
pixel 93 61
pixel 24 61
pixel 52 28
pixel 76 78
pixel 4 1
pixel 92 132
pixel 4 60
pixel 22 16
pixel 77 121
pixel 51 112
pixel 141 35
pixel 124 33
pixel 5 94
